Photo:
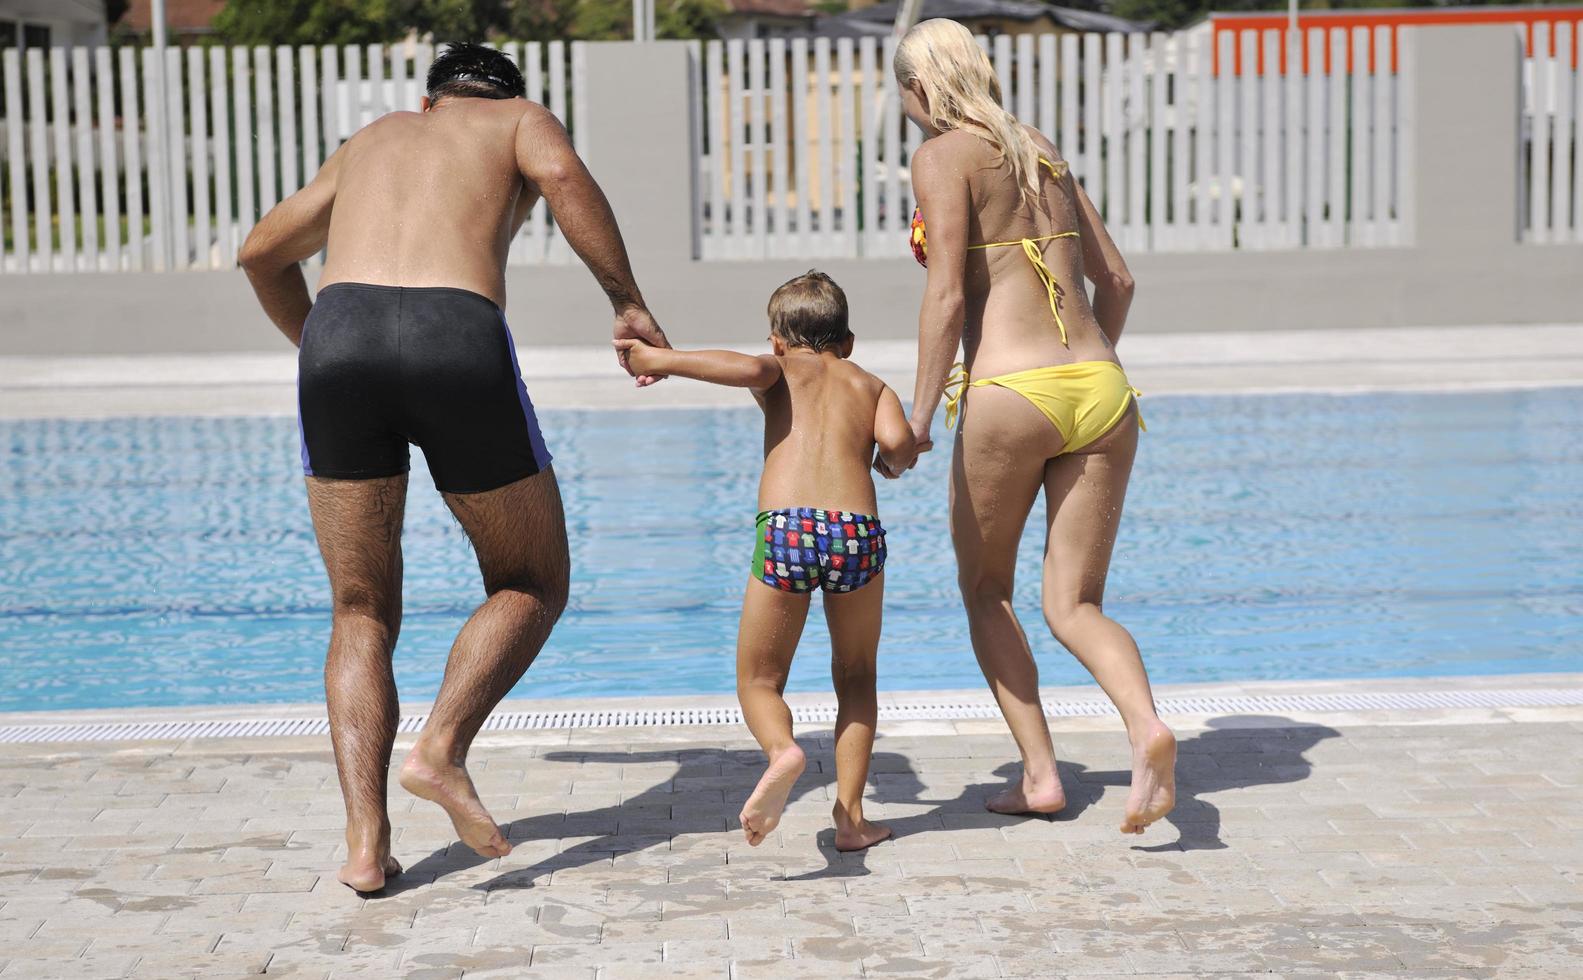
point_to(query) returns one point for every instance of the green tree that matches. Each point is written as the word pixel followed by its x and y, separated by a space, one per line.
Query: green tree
pixel 307 22
pixel 540 20
pixel 609 20
pixel 372 21
pixel 455 20
pixel 356 21
pixel 688 19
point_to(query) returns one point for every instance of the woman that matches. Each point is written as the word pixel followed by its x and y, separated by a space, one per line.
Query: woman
pixel 1043 400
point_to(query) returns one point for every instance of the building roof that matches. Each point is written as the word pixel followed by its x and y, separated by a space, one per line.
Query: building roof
pixel 968 11
pixel 180 15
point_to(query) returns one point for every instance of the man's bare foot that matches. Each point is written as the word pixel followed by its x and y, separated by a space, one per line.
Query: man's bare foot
pixel 1029 796
pixel 761 814
pixel 1153 779
pixel 856 834
pixel 368 872
pixel 441 781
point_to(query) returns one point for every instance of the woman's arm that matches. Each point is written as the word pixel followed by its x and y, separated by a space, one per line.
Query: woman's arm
pixel 943 198
pixel 719 367
pixel 1104 266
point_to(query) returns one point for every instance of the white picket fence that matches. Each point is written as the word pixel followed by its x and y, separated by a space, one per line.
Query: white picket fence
pixel 1552 123
pixel 805 151
pixel 102 174
pixel 1189 141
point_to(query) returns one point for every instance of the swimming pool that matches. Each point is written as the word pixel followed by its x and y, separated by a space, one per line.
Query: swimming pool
pixel 170 561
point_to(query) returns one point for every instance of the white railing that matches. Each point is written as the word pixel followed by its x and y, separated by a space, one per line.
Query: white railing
pixel 103 175
pixel 805 152
pixel 1190 141
pixel 1552 121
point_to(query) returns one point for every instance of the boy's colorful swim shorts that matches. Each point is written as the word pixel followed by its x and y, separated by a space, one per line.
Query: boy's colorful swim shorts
pixel 801 549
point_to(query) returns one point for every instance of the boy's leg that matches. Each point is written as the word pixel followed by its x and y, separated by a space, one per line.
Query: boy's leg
pixel 772 623
pixel 854 619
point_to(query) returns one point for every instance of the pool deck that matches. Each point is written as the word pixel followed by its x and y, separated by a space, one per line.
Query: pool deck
pixel 1427 843
pixel 1339 360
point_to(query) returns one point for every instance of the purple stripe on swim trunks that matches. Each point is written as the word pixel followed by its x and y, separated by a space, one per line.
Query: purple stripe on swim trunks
pixel 541 453
pixel 302 437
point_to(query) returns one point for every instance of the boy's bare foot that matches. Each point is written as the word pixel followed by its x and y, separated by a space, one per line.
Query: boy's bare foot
pixel 762 812
pixel 440 781
pixel 1029 796
pixel 1153 779
pixel 856 835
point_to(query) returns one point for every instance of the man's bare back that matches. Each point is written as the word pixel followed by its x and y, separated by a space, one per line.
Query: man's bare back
pixel 433 198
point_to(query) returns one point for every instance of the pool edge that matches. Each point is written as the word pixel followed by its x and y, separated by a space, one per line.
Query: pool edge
pixel 1412 700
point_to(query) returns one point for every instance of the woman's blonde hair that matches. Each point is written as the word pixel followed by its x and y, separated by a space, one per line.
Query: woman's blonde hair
pixel 960 86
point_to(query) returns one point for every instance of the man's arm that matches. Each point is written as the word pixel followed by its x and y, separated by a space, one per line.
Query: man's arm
pixel 292 231
pixel 582 214
pixel 717 367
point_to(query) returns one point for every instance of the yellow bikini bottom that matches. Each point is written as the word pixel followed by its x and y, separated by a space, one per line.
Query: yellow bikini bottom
pixel 1083 400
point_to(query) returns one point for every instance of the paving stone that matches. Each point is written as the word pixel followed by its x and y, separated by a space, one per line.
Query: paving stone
pixel 1357 854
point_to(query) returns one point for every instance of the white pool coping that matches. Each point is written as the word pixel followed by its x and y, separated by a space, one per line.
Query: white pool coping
pixel 1329 361
pixel 1409 700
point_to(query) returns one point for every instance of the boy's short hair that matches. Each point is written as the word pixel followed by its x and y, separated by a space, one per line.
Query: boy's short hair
pixel 810 311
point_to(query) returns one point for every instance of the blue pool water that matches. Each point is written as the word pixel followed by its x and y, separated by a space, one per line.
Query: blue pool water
pixel 170 561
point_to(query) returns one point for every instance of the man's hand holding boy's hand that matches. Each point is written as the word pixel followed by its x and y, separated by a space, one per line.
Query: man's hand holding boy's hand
pixel 638 325
pixel 640 359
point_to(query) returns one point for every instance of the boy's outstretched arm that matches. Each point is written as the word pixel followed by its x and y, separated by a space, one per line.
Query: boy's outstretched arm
pixel 718 367
pixel 895 444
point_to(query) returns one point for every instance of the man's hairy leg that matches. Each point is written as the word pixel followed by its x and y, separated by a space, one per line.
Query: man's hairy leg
pixel 519 533
pixel 358 523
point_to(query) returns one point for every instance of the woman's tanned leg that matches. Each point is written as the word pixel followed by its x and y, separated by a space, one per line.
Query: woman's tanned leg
pixel 1084 493
pixel 996 472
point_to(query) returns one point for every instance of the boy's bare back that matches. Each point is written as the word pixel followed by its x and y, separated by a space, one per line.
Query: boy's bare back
pixel 819 433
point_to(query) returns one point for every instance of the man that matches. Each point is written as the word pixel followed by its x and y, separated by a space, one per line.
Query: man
pixel 406 342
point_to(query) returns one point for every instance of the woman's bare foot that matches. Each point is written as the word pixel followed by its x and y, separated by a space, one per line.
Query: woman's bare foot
pixel 1029 796
pixel 761 814
pixel 440 781
pixel 1153 778
pixel 856 834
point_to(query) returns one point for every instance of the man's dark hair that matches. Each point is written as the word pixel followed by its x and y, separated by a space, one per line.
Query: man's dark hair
pixel 810 311
pixel 474 71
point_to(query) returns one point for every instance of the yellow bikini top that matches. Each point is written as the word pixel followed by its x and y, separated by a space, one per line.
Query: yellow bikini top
pixel 1030 248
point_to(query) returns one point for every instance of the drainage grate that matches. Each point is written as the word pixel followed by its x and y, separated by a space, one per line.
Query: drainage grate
pixel 925 709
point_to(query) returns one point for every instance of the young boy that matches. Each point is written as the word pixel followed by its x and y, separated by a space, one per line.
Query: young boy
pixel 823 417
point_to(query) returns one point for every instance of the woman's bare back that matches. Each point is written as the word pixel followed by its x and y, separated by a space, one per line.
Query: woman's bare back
pixel 1009 324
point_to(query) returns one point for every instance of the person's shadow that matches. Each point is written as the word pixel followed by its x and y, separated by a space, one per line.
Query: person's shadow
pixel 1236 752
